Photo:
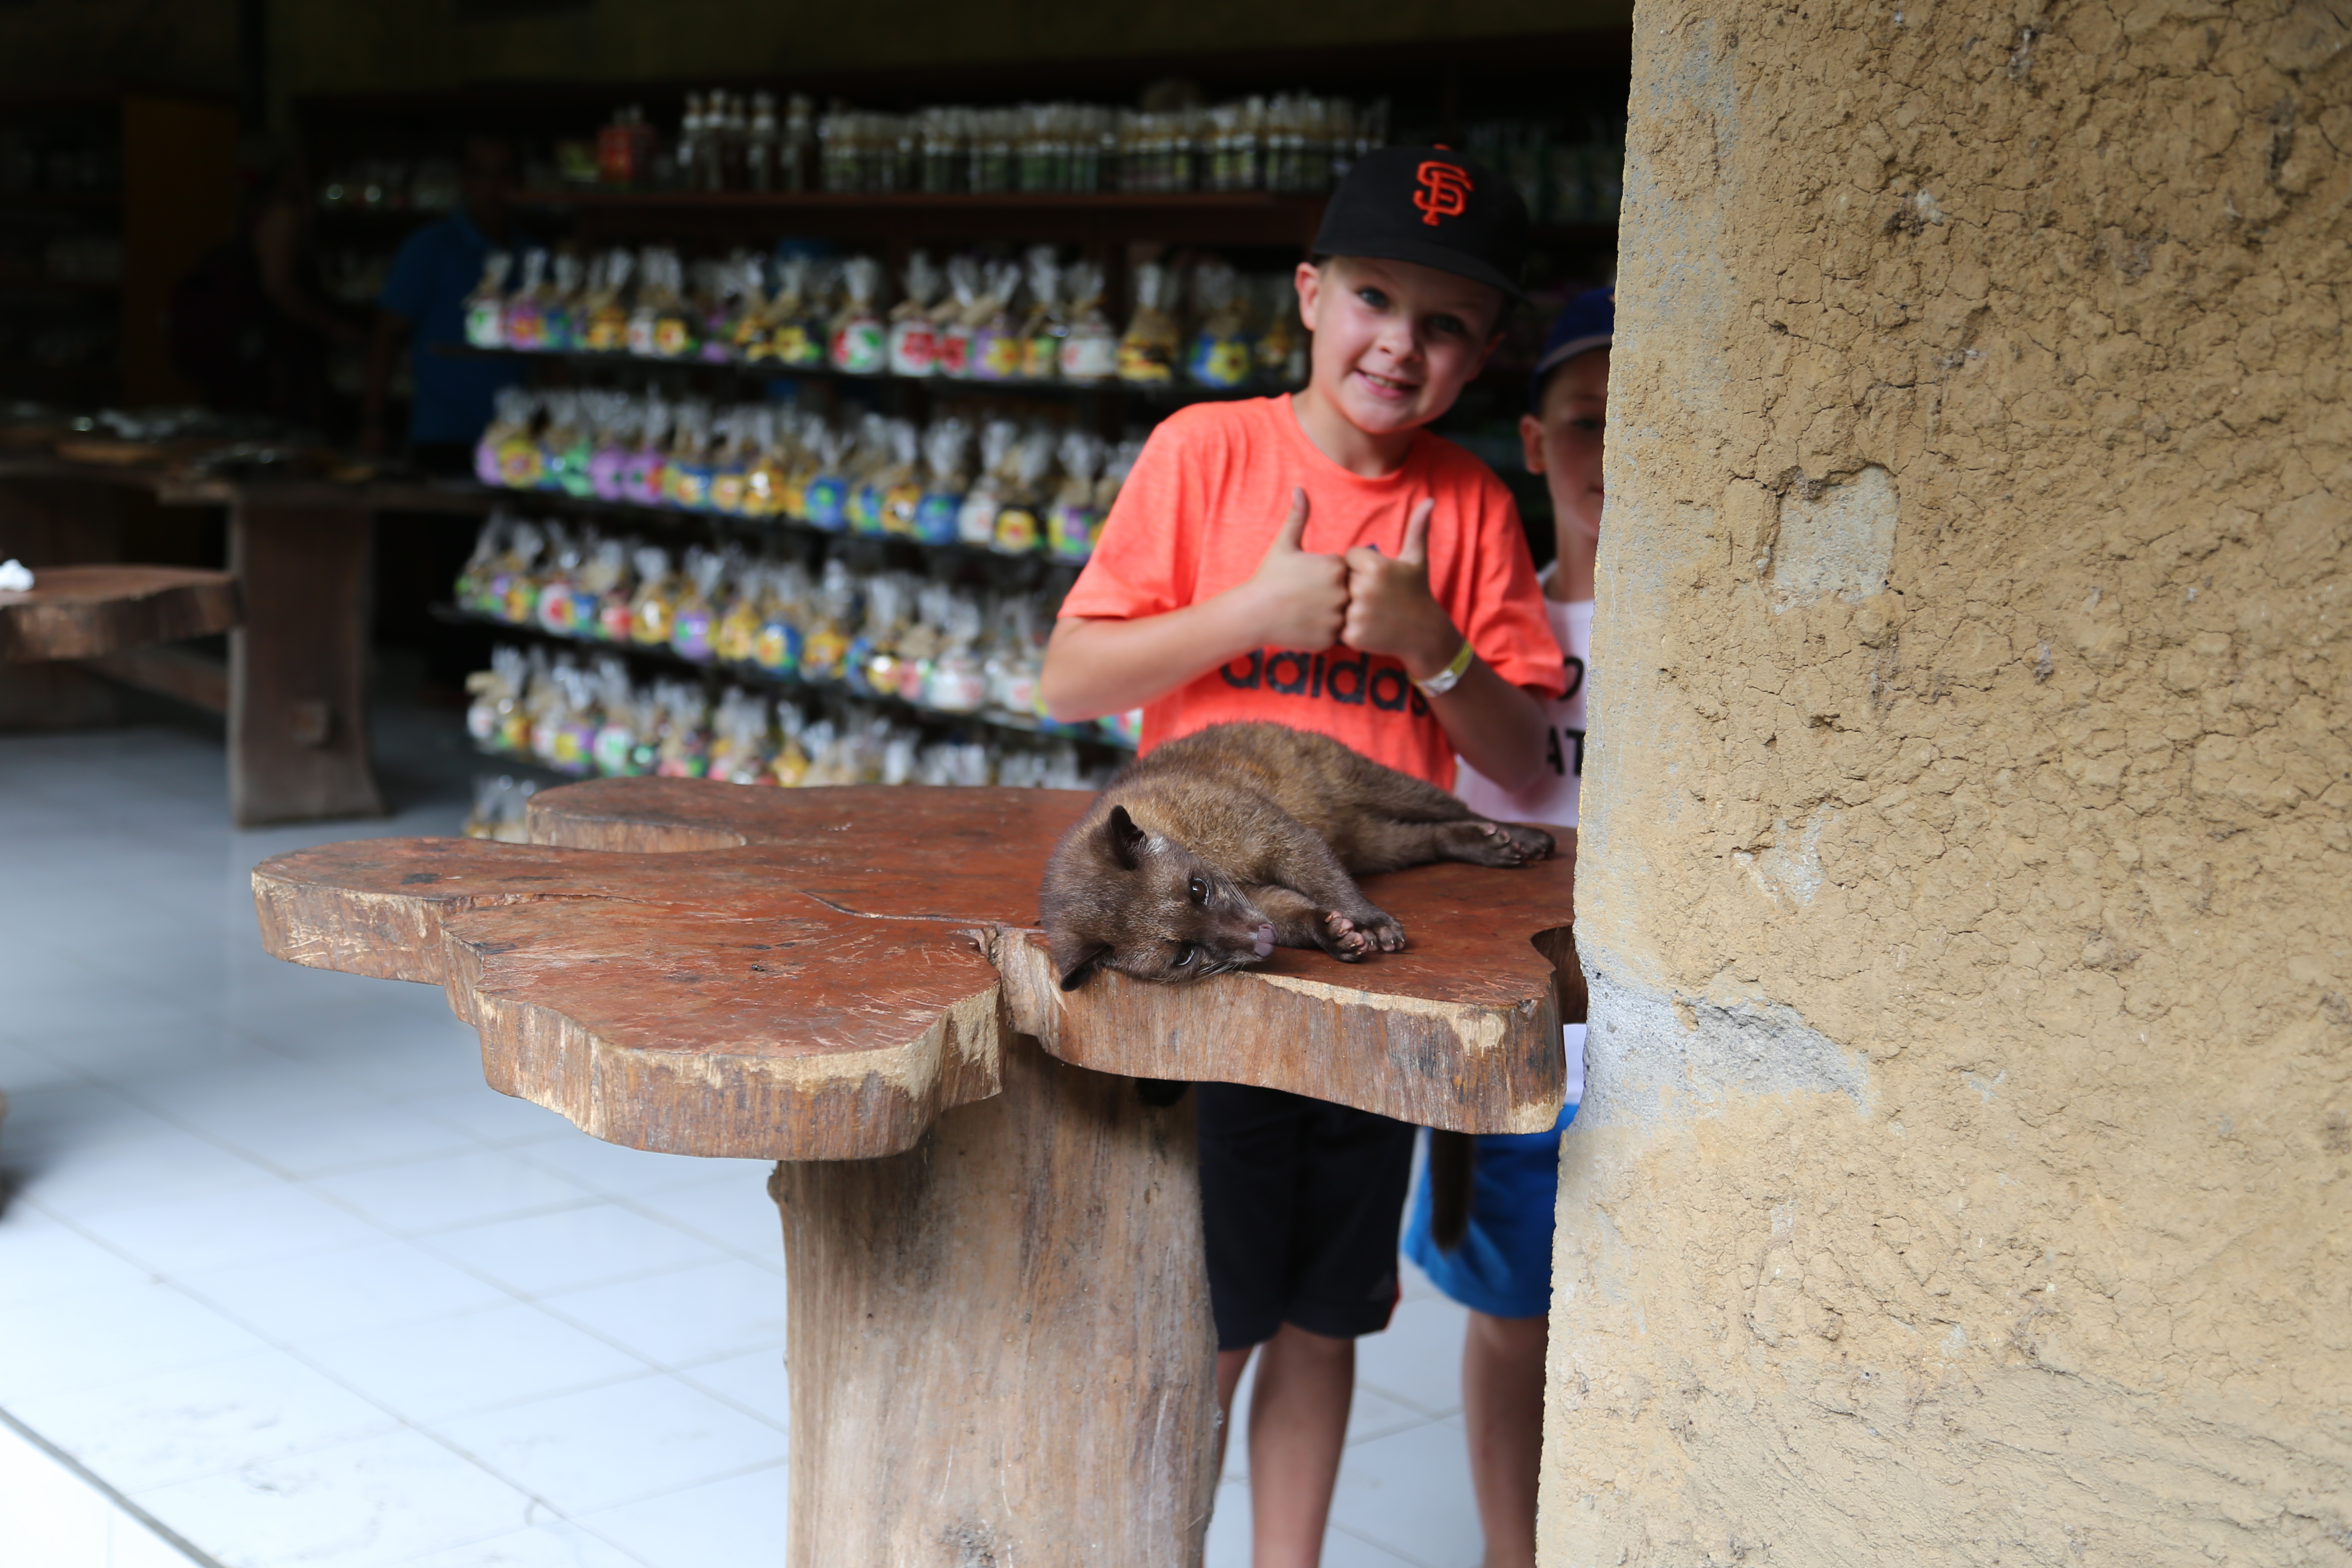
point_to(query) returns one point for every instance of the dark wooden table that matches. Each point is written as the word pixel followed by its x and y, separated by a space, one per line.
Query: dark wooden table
pixel 1000 1343
pixel 294 688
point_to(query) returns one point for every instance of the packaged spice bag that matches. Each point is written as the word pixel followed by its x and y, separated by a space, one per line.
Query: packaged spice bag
pixel 561 322
pixel 831 614
pixel 913 342
pixel 900 485
pixel 858 345
pixel 495 695
pixel 613 749
pixel 946 446
pixel 776 648
pixel 1089 347
pixel 695 623
pixel 606 577
pixel 1020 522
pixel 653 608
pixel 958 317
pixel 1149 351
pixel 643 477
pixel 1073 523
pixel 557 610
pixel 999 347
pixel 566 447
pixel 1221 355
pixel 486 305
pixel 686 472
pixel 605 314
pixel 523 324
pixel 869 459
pixel 1281 349
pixel 507 455
pixel 685 746
pixel 1047 326
pixel 644 313
pixel 976 519
pixel 825 499
pixel 803 342
pixel 729 460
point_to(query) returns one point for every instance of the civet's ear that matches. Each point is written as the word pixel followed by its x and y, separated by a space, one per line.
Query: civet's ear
pixel 1124 837
pixel 1074 958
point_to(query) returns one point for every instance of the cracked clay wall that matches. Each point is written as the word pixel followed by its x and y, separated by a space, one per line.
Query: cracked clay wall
pixel 1965 884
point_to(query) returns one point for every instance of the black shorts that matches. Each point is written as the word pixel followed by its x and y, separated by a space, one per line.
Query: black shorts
pixel 1300 1204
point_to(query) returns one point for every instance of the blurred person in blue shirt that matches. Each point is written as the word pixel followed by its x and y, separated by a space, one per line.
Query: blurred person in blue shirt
pixel 423 302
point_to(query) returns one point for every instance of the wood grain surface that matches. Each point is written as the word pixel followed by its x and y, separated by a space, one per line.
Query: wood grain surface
pixel 803 975
pixel 1000 1341
pixel 84 612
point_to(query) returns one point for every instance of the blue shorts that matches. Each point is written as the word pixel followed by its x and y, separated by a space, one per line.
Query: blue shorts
pixel 1503 1266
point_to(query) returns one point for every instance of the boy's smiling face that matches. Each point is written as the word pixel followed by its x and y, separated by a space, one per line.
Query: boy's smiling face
pixel 1394 342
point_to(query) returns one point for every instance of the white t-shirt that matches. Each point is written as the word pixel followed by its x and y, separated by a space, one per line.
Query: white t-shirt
pixel 1552 798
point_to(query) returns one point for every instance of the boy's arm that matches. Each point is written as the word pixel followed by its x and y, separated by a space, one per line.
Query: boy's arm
pixel 1294 599
pixel 1498 728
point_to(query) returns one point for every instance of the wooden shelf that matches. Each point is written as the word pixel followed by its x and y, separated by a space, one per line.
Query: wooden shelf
pixel 752 674
pixel 913 217
pixel 1170 393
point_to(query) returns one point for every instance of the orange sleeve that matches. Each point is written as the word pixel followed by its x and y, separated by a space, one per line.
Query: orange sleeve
pixel 1144 562
pixel 1502 612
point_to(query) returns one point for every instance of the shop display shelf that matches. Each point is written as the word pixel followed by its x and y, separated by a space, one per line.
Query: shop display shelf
pixel 957 554
pixel 1166 394
pixel 752 676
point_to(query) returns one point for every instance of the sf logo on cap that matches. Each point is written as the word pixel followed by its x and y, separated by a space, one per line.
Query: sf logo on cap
pixel 1444 191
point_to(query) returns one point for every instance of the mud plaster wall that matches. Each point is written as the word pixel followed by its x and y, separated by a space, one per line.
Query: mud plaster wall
pixel 1966 883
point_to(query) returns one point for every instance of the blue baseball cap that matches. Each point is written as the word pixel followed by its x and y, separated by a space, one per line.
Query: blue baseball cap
pixel 1587 322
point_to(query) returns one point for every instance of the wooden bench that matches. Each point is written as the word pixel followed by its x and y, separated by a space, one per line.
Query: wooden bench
pixel 112 617
pixel 1000 1341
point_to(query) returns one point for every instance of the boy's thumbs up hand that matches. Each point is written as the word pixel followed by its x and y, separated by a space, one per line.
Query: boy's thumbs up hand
pixel 1297 598
pixel 1390 607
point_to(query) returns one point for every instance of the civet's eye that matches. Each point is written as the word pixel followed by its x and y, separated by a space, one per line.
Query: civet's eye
pixel 1200 890
pixel 1185 955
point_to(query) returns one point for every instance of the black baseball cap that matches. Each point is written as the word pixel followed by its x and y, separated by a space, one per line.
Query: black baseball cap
pixel 1431 206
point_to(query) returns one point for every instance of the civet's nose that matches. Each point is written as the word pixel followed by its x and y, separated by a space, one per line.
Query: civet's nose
pixel 1264 940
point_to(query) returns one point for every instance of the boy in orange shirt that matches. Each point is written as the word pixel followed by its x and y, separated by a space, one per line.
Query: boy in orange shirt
pixel 1321 561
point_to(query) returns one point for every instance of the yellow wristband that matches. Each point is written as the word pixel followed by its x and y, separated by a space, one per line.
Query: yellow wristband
pixel 1445 679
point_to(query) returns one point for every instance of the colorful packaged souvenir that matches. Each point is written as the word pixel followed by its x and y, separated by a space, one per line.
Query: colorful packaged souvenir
pixel 858 346
pixel 1020 525
pixel 653 608
pixel 523 322
pixel 998 348
pixel 1280 351
pixel 1072 524
pixel 1089 348
pixel 643 480
pixel 976 519
pixel 962 312
pixel 694 625
pixel 913 342
pixel 1148 349
pixel 776 647
pixel 604 317
pixel 946 448
pixel 826 497
pixel 486 305
pixel 1222 352
pixel 1043 336
pixel 559 318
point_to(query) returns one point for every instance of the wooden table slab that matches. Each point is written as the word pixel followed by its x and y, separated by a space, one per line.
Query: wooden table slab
pixel 1000 1340
pixel 88 612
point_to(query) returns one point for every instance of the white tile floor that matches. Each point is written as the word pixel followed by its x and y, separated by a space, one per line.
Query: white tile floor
pixel 281 1270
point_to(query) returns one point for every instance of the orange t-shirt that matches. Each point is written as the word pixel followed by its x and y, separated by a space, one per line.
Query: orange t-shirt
pixel 1195 517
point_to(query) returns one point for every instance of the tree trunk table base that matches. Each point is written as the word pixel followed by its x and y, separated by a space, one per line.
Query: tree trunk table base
pixel 1000 1341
